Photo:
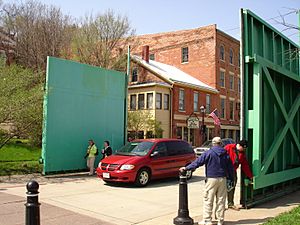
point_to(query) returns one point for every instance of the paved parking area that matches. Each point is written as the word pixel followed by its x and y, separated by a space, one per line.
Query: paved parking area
pixel 74 199
pixel 119 204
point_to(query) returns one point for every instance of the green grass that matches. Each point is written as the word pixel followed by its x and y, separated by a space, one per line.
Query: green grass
pixel 289 218
pixel 18 157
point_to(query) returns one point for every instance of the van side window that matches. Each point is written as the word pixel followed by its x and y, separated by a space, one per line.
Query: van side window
pixel 173 148
pixel 178 148
pixel 161 148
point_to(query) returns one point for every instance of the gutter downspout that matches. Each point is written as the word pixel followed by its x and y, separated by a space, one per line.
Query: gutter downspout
pixel 171 111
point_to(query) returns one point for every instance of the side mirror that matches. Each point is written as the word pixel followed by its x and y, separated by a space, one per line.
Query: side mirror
pixel 154 154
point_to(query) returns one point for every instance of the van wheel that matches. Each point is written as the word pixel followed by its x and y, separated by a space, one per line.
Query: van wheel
pixel 142 177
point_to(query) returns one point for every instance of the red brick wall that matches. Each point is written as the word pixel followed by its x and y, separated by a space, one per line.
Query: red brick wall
pixel 167 49
pixel 228 43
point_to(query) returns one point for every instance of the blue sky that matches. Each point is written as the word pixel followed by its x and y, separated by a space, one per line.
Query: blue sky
pixel 153 16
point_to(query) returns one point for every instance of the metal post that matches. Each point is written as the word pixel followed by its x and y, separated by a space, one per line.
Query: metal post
pixel 202 109
pixel 183 211
pixel 203 128
pixel 32 214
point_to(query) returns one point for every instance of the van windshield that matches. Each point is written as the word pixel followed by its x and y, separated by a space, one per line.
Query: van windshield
pixel 135 148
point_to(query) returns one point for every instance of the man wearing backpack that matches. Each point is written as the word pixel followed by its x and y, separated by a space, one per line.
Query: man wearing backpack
pixel 91 153
pixel 218 171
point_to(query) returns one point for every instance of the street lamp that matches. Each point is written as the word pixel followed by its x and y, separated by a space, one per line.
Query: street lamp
pixel 203 127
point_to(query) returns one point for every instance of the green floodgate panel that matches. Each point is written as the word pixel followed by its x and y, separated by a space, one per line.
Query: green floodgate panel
pixel 81 102
pixel 271 102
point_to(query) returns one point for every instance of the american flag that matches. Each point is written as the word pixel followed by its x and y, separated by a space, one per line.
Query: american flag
pixel 215 117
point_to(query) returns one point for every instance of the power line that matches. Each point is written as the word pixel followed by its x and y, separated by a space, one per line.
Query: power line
pixel 272 18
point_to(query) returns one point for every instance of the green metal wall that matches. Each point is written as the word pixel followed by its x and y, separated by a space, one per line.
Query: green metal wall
pixel 81 102
pixel 271 101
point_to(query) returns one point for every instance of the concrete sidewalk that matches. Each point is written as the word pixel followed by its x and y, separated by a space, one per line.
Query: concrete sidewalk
pixel 13 213
pixel 83 200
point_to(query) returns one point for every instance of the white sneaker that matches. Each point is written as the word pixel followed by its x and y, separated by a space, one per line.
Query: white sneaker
pixel 220 223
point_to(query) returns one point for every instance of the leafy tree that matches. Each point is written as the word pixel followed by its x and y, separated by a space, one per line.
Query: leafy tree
pixel 102 40
pixel 144 121
pixel 21 97
pixel 38 30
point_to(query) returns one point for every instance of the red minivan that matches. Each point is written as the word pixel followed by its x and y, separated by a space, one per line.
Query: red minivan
pixel 142 160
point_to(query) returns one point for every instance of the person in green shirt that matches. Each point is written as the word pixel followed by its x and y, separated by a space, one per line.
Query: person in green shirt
pixel 91 155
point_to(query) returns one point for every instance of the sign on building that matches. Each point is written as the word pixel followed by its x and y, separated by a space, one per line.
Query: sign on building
pixel 193 122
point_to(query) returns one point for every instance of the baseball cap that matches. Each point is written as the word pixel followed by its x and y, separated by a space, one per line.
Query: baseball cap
pixel 216 140
pixel 243 143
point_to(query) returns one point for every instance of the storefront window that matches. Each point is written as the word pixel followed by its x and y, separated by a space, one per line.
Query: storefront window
pixel 185 134
pixel 179 132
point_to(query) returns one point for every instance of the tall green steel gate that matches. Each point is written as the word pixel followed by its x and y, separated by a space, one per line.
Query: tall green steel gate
pixel 271 101
pixel 81 102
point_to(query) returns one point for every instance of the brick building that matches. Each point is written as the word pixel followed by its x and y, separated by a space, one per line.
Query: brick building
pixel 172 97
pixel 212 57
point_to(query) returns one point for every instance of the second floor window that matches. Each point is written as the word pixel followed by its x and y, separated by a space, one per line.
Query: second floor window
pixel 231 82
pixel 166 102
pixel 208 103
pixel 239 85
pixel 222 79
pixel 181 100
pixel 231 56
pixel 149 100
pixel 196 100
pixel 132 102
pixel 134 76
pixel 152 57
pixel 141 101
pixel 222 53
pixel 185 54
pixel 158 101
pixel 222 108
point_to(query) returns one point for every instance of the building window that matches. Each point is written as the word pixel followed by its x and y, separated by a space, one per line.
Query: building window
pixel 222 53
pixel 239 62
pixel 239 85
pixel 179 132
pixel 184 54
pixel 134 76
pixel 152 57
pixel 181 100
pixel 207 103
pixel 231 82
pixel 141 101
pixel 132 102
pixel 231 56
pixel 231 110
pixel 230 134
pixel 158 101
pixel 196 100
pixel 222 79
pixel 223 133
pixel 166 102
pixel 222 108
pixel 149 100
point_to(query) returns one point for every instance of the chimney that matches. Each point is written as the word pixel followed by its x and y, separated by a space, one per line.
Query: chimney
pixel 145 53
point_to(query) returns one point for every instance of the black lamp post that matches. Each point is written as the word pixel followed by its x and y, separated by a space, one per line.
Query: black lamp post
pixel 203 127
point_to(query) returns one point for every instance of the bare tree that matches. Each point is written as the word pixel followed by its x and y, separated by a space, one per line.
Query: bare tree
pixel 38 30
pixel 102 40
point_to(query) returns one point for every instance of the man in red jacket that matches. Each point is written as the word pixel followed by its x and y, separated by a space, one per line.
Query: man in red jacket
pixel 238 157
